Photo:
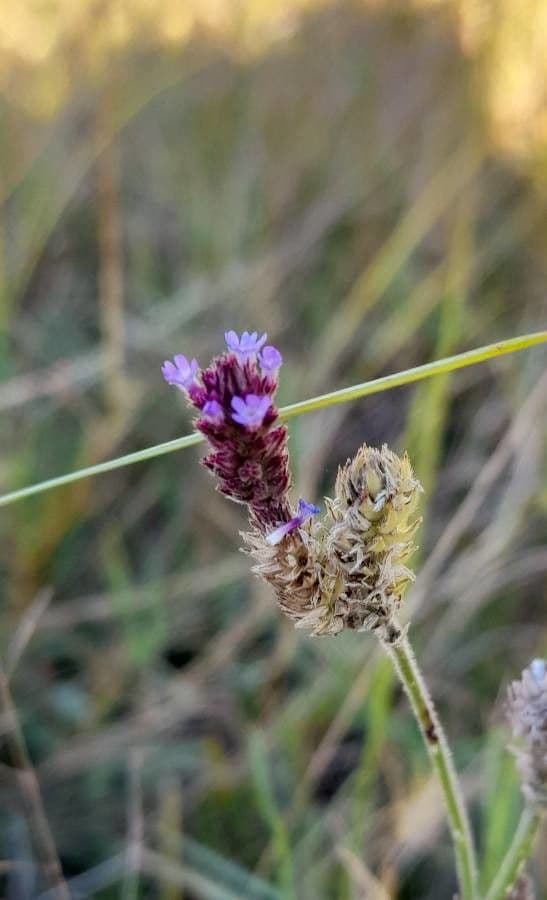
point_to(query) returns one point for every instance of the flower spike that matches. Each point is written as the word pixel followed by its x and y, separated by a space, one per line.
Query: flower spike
pixel 233 398
pixel 346 572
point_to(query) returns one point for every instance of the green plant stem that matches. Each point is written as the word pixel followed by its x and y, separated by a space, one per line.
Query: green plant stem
pixel 518 853
pixel 355 392
pixel 411 678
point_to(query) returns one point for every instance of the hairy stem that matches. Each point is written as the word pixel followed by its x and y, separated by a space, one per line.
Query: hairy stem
pixel 518 853
pixel 437 747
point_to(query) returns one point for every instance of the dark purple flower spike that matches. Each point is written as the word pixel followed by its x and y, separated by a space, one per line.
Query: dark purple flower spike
pixel 305 511
pixel 237 415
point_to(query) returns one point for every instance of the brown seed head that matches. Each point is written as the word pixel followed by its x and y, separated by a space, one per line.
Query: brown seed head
pixel 370 539
pixel 349 571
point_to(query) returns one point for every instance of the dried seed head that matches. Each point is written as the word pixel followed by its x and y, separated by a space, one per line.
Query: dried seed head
pixel 349 570
pixel 370 539
pixel 295 567
pixel 527 714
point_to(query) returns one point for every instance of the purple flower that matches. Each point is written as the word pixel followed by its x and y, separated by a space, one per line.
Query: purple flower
pixel 537 669
pixel 212 410
pixel 234 401
pixel 250 410
pixel 305 510
pixel 270 360
pixel 181 372
pixel 246 346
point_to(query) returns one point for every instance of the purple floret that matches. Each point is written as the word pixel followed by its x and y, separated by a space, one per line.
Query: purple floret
pixel 250 410
pixel 305 510
pixel 246 346
pixel 213 412
pixel 270 360
pixel 234 399
pixel 181 373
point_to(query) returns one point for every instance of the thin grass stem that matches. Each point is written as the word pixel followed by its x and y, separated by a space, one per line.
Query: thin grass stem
pixel 516 856
pixel 407 669
pixel 355 392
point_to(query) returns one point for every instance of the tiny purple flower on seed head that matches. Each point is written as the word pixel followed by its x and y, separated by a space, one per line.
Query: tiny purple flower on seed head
pixel 538 669
pixel 305 510
pixel 213 412
pixel 270 360
pixel 181 372
pixel 245 346
pixel 250 410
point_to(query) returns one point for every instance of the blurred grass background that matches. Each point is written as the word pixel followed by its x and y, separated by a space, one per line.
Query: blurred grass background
pixel 367 182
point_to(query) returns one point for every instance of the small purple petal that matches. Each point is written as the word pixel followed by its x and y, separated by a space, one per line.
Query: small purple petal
pixel 246 346
pixel 239 405
pixel 212 410
pixel 270 360
pixel 538 668
pixel 305 510
pixel 169 371
pixel 184 366
pixel 232 340
pixel 275 537
pixel 181 372
pixel 250 410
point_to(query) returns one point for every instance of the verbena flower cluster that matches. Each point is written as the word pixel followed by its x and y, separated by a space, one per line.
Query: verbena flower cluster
pixel 527 713
pixel 347 570
pixel 236 413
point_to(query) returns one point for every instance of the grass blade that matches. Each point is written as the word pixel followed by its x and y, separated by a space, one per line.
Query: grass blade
pixel 355 392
